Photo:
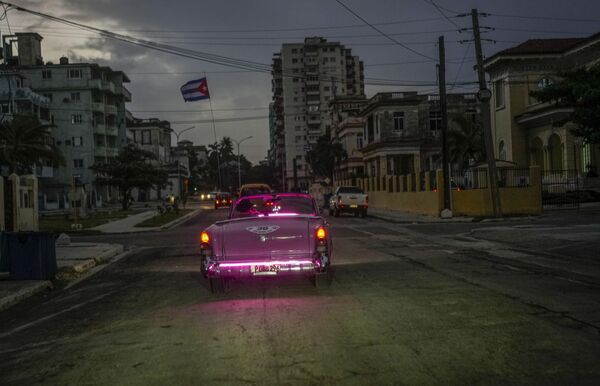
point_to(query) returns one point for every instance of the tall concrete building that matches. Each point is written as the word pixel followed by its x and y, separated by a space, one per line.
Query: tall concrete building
pixel 306 76
pixel 87 107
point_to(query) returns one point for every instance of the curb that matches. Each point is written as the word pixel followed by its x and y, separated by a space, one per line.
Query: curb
pixel 23 294
pixel 102 258
pixel 436 221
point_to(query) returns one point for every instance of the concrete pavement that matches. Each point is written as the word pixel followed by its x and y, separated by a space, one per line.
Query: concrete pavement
pixel 72 260
pixel 410 304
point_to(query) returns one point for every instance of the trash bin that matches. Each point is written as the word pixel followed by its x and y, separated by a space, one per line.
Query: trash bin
pixel 28 255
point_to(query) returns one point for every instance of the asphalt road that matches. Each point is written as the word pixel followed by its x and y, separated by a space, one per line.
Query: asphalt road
pixel 493 303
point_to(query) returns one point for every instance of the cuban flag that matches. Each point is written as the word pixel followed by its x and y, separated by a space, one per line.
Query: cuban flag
pixel 195 90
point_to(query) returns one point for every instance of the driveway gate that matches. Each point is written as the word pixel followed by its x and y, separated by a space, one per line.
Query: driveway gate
pixel 560 189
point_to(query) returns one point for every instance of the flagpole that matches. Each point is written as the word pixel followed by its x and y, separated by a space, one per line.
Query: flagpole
pixel 212 117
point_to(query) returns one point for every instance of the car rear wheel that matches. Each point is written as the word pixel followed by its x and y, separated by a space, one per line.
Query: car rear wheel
pixel 217 285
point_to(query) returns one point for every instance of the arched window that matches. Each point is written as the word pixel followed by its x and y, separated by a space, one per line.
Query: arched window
pixel 502 151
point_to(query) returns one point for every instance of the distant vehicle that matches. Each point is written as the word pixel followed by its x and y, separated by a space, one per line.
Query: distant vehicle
pixel 207 196
pixel 349 199
pixel 254 189
pixel 268 235
pixel 223 200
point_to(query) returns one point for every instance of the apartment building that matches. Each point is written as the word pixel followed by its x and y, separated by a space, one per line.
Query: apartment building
pixel 524 129
pixel 154 136
pixel 306 77
pixel 87 107
pixel 401 133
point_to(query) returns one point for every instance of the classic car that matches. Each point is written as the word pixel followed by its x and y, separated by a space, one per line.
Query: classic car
pixel 268 235
pixel 223 199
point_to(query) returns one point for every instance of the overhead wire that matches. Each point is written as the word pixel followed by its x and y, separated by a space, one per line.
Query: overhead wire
pixel 383 33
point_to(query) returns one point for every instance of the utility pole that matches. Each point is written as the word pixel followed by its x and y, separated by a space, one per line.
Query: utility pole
pixel 447 212
pixel 238 143
pixel 295 174
pixel 484 95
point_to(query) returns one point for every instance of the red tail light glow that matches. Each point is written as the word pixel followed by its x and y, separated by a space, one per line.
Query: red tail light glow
pixel 366 199
pixel 321 234
pixel 204 238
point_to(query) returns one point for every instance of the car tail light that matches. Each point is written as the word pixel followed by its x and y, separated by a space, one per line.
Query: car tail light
pixel 204 238
pixel 321 234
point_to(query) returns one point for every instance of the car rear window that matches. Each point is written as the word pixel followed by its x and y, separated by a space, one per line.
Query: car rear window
pixel 254 191
pixel 351 190
pixel 273 206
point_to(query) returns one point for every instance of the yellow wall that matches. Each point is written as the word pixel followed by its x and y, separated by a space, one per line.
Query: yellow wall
pixel 470 202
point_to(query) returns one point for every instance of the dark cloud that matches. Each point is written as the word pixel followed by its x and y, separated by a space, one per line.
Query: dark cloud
pixel 240 90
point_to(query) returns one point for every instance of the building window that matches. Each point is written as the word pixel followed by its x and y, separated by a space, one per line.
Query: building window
pixel 398 117
pixel 359 140
pixel 435 120
pixel 502 151
pixel 49 96
pixel 78 163
pixel 294 50
pixel 294 60
pixel 75 97
pixel 146 140
pixel 544 82
pixel 75 73
pixel 499 93
pixel 76 119
pixel 77 141
pixel 46 74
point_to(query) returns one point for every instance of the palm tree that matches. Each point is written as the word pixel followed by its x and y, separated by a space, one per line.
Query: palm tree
pixel 24 141
pixel 465 142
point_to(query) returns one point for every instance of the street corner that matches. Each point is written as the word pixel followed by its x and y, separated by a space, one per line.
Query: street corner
pixel 76 259
pixel 13 292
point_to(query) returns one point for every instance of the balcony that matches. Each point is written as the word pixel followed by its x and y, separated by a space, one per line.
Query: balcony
pixel 99 129
pixel 110 109
pixel 103 151
pixel 126 93
pixel 98 106
pixel 112 129
pixel 100 84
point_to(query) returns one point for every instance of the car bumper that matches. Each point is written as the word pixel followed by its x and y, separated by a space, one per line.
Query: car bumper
pixel 352 209
pixel 264 268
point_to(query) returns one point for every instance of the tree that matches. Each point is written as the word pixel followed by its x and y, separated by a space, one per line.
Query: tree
pixel 24 142
pixel 579 90
pixel 226 161
pixel 325 157
pixel 465 142
pixel 133 168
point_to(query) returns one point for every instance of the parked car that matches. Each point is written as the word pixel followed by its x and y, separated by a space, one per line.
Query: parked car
pixel 223 200
pixel 253 189
pixel 348 199
pixel 268 235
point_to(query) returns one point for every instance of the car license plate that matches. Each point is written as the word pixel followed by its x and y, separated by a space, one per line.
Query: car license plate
pixel 353 206
pixel 264 269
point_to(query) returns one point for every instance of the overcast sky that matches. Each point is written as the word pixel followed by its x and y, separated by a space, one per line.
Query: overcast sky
pixel 214 27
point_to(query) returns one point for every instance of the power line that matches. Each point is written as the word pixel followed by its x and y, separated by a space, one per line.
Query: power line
pixel 291 29
pixel 431 2
pixel 383 33
pixel 552 18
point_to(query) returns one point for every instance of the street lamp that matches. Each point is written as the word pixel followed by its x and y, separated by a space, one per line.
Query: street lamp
pixel 177 134
pixel 238 143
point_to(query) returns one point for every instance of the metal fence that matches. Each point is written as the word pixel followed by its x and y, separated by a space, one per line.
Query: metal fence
pixel 478 178
pixel 561 189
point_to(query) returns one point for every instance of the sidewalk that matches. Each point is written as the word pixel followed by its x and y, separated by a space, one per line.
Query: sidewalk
pixel 412 218
pixel 72 260
pixel 128 224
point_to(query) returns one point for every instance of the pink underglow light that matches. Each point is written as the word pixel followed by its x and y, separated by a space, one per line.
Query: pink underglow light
pixel 279 214
pixel 266 263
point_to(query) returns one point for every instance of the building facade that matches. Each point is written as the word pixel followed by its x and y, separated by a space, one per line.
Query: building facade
pixel 347 129
pixel 87 109
pixel 154 136
pixel 523 128
pixel 401 132
pixel 306 77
